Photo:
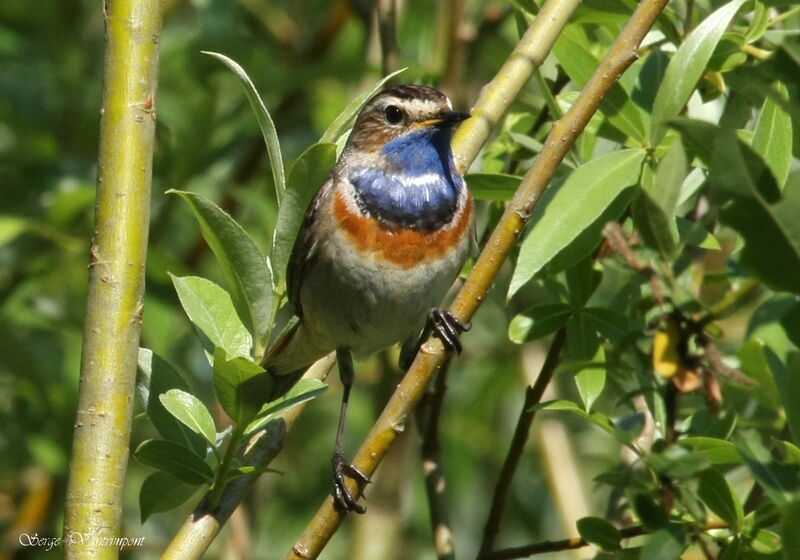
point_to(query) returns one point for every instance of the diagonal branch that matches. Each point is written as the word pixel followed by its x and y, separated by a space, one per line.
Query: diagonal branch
pixel 533 395
pixel 116 278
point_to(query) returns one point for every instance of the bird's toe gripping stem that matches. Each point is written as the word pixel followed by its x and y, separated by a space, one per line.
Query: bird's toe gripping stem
pixel 447 327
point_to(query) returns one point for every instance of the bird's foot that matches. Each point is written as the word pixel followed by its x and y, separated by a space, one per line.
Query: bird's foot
pixel 341 493
pixel 447 328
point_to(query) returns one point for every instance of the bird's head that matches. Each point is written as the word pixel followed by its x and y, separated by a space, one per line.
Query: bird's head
pixel 403 120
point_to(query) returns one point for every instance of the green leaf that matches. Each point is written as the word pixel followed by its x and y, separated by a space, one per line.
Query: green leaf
pixel 567 211
pixel 538 321
pixel 650 512
pixel 345 119
pixel 717 451
pixel 765 543
pixel 191 412
pixel 677 462
pixel 574 54
pixel 599 532
pixel 591 380
pixel 718 496
pixel 211 310
pixel 759 22
pixel 302 391
pixel 175 459
pixel 265 123
pixel 787 382
pixel 693 233
pixel 687 66
pixel 752 205
pixel 241 385
pixel 753 358
pixel 582 280
pixel 654 208
pixel 697 135
pixel 158 377
pixel 245 270
pixel 582 340
pixel 162 492
pixel 780 481
pixel 308 174
pixel 493 186
pixel 729 53
pixel 597 418
pixel 772 136
pixel 609 323
pixel 665 544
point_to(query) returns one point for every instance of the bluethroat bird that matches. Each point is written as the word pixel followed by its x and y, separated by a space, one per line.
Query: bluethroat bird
pixel 379 247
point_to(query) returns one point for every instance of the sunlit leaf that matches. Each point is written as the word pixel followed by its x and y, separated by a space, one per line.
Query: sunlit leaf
pixel 211 310
pixel 241 386
pixel 538 321
pixel 576 58
pixel 244 268
pixel 302 391
pixel 191 412
pixel 158 377
pixel 561 216
pixel 772 136
pixel 720 498
pixel 493 186
pixel 265 123
pixel 687 66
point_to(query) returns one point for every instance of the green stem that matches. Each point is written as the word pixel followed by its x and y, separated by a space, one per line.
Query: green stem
pixel 101 437
pixel 225 466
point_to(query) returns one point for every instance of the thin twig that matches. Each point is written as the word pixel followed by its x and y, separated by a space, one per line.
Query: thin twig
pixel 435 481
pixel 577 542
pixel 533 394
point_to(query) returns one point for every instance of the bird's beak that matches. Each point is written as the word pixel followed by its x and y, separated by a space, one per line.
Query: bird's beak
pixel 445 119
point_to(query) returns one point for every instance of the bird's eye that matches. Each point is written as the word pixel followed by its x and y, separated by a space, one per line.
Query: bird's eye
pixel 393 114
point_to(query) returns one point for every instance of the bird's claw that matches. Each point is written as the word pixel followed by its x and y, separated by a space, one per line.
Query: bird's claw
pixel 447 328
pixel 341 493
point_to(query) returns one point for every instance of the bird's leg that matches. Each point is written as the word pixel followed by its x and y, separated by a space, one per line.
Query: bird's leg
pixel 443 325
pixel 341 466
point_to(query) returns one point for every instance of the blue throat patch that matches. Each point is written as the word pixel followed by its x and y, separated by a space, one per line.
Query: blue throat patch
pixel 421 187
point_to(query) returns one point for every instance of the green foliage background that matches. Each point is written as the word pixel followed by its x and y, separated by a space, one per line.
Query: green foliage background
pixel 309 59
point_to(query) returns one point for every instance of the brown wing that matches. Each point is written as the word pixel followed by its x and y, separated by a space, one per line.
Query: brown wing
pixel 304 249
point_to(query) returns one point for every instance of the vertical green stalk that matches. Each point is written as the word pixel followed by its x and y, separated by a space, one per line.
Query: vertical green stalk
pixel 93 508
